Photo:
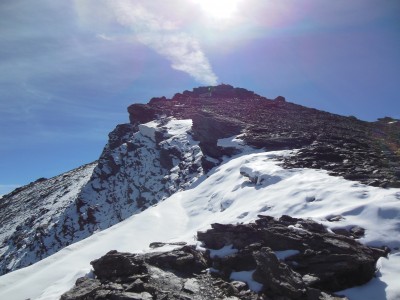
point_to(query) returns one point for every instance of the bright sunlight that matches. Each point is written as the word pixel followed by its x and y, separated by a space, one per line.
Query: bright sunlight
pixel 219 9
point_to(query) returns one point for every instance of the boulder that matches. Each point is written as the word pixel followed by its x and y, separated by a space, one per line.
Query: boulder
pixel 185 259
pixel 277 277
pixel 116 264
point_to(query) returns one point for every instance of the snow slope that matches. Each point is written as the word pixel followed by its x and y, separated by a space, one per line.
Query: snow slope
pixel 228 196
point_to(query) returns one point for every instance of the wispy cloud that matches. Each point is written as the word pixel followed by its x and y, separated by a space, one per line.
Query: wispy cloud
pixel 163 36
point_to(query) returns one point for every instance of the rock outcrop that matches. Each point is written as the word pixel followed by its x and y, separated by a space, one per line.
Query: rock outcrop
pixel 269 259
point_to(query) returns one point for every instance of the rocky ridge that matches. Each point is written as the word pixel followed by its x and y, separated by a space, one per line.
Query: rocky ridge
pixel 29 213
pixel 284 258
pixel 345 146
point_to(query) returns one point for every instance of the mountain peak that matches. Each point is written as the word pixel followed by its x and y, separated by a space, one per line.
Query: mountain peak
pixel 326 140
pixel 203 156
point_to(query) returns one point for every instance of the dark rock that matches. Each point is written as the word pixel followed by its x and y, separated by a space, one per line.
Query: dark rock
pixel 280 99
pixel 277 277
pixel 357 231
pixel 116 264
pixel 185 259
pixel 141 113
pixel 337 261
pixel 84 288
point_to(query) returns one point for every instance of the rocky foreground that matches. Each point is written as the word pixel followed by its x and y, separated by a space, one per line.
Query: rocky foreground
pixel 269 259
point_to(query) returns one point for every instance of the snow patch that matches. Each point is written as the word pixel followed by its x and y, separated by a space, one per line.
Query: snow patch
pixel 224 251
pixel 247 276
pixel 149 129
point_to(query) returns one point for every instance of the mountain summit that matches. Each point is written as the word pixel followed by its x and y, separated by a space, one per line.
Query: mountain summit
pixel 175 145
pixel 345 146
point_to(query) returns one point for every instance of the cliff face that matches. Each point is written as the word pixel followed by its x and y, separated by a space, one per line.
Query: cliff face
pixel 168 145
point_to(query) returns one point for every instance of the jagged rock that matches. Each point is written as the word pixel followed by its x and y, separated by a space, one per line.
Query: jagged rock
pixel 185 259
pixel 278 278
pixel 115 264
pixel 332 142
pixel 280 99
pixel 337 261
pixel 85 288
pixel 314 264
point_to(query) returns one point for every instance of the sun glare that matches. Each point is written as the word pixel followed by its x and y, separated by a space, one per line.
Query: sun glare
pixel 219 9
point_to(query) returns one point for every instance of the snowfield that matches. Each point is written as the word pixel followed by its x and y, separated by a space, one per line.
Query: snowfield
pixel 227 195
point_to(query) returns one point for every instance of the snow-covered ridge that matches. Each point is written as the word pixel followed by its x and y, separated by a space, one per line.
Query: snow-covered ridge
pixel 136 170
pixel 29 214
pixel 226 196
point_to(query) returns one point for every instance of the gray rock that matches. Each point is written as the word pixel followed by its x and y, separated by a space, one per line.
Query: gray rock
pixel 85 288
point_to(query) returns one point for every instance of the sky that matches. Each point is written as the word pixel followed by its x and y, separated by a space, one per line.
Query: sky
pixel 69 69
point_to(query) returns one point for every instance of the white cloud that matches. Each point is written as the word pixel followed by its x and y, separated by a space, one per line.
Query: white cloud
pixel 163 36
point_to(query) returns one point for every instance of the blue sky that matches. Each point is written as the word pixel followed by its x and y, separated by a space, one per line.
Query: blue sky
pixel 69 69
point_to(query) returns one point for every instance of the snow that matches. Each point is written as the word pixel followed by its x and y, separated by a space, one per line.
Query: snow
pixel 149 130
pixel 386 285
pixel 246 276
pixel 224 251
pixel 234 142
pixel 226 196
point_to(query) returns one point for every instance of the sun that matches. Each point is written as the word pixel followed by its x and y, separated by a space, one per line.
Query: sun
pixel 219 9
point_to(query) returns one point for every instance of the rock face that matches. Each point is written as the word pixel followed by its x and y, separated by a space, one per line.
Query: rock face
pixel 284 259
